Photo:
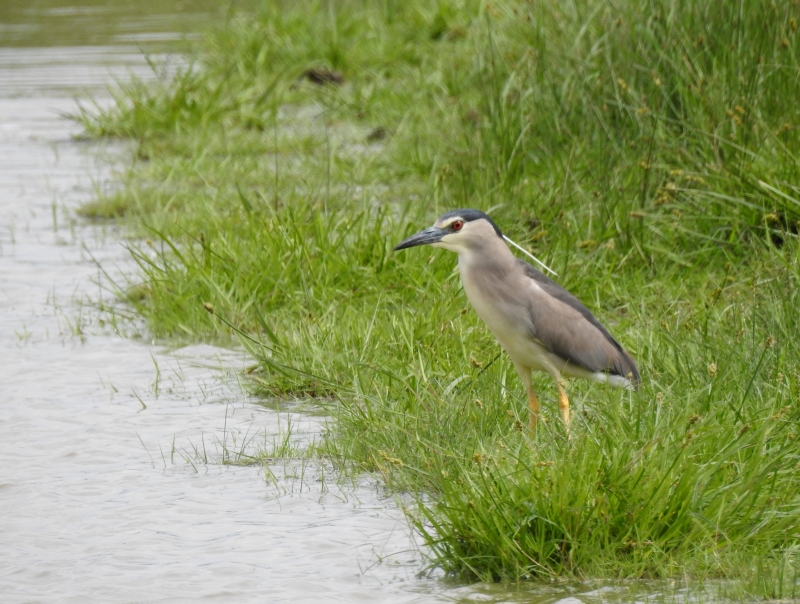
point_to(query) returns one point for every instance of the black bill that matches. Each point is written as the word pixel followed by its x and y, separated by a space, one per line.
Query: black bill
pixel 426 237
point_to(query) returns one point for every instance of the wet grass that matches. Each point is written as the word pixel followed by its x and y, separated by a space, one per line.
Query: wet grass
pixel 647 151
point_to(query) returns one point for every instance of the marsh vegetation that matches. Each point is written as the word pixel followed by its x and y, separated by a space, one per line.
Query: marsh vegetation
pixel 647 151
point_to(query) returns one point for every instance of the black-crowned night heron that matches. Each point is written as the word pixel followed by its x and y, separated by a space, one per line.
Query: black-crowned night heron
pixel 538 323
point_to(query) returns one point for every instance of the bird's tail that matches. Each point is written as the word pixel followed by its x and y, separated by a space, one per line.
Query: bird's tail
pixel 629 370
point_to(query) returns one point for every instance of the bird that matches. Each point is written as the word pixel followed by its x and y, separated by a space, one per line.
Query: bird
pixel 540 325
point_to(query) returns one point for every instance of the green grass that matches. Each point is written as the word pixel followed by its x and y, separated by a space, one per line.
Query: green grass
pixel 648 152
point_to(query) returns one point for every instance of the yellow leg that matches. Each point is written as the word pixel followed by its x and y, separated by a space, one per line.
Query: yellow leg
pixel 563 403
pixel 533 409
pixel 533 402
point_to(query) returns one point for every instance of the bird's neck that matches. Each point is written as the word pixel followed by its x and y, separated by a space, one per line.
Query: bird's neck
pixel 485 276
pixel 492 255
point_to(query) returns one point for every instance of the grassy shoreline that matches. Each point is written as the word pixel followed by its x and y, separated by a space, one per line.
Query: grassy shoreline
pixel 648 152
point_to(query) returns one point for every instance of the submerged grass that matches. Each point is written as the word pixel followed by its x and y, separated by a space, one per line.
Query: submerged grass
pixel 648 151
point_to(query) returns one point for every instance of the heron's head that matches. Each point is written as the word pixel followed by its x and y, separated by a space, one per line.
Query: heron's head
pixel 458 231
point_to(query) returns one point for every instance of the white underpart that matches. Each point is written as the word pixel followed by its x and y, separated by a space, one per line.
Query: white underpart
pixel 619 381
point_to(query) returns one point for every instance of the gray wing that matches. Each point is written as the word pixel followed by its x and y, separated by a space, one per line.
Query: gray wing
pixel 568 329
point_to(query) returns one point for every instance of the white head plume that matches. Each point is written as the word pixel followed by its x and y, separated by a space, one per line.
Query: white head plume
pixel 524 251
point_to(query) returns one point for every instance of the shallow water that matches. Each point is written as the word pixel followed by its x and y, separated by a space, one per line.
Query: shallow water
pixel 111 486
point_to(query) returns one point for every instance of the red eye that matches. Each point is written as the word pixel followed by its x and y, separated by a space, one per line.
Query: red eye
pixel 457 225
